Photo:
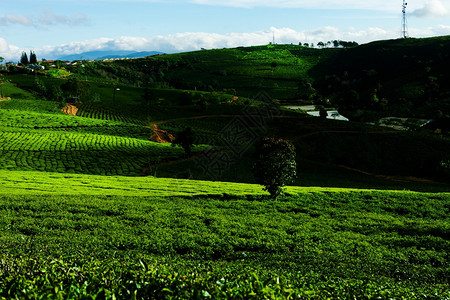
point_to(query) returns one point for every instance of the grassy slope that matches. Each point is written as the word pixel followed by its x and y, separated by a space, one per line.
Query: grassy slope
pixel 32 182
pixel 275 69
pixel 35 135
pixel 156 237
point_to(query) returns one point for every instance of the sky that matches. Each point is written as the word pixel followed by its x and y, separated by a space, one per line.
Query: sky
pixel 53 28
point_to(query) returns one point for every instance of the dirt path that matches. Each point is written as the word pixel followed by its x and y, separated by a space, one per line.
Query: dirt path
pixel 70 110
pixel 5 99
pixel 160 135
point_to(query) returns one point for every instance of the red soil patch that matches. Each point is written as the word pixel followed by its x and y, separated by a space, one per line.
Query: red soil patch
pixel 70 109
pixel 160 135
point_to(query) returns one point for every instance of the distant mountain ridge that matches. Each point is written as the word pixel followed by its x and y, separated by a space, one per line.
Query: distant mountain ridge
pixel 105 54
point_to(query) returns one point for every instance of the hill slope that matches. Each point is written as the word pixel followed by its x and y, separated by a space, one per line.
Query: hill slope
pixel 405 77
pixel 111 137
pixel 279 70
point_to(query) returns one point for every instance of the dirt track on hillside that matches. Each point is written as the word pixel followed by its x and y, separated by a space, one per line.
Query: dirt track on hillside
pixel 160 135
pixel 70 110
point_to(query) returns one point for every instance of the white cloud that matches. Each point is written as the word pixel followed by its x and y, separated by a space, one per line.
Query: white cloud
pixel 7 51
pixel 47 18
pixel 189 41
pixel 15 19
pixel 432 9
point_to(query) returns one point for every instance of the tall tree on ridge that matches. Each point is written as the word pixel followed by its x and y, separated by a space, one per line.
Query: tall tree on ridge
pixel 33 58
pixel 24 59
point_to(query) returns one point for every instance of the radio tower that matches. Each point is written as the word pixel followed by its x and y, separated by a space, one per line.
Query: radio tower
pixel 404 23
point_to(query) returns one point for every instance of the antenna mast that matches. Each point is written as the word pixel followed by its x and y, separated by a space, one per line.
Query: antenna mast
pixel 404 23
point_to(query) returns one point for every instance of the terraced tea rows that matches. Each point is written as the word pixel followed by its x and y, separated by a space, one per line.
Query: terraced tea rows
pixel 25 114
pixel 59 141
pixel 29 119
pixel 90 111
pixel 80 153
pixel 36 135
pixel 30 105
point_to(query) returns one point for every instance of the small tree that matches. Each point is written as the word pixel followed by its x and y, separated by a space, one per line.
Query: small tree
pixel 39 86
pixel 76 88
pixel 56 94
pixel 275 165
pixel 185 139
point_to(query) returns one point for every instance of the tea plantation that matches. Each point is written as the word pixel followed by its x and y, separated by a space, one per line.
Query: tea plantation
pixel 35 135
pixel 80 217
pixel 85 236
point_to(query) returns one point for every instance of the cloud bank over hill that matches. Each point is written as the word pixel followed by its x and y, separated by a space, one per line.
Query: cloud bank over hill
pixel 189 41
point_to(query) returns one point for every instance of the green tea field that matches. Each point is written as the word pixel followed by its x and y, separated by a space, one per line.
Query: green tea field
pixel 86 236
pixel 99 198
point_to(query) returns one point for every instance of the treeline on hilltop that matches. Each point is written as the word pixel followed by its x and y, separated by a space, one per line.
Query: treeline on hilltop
pixel 334 43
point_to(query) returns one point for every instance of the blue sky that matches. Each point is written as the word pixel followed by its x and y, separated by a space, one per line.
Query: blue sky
pixel 56 27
